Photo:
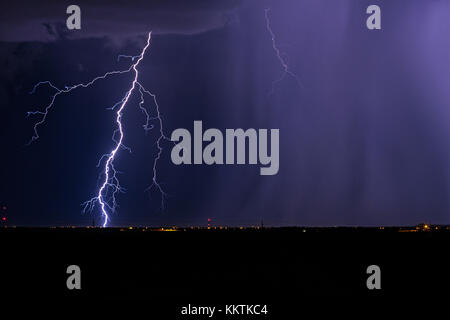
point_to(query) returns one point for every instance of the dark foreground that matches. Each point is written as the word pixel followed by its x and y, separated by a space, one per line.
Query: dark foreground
pixel 249 266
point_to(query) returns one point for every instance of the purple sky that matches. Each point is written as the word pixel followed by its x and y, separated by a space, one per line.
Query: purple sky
pixel 363 142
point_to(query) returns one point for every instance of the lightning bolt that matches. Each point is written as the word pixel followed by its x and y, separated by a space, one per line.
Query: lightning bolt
pixel 279 54
pixel 110 186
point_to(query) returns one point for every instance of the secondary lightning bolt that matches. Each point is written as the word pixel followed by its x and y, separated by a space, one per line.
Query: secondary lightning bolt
pixel 284 64
pixel 110 184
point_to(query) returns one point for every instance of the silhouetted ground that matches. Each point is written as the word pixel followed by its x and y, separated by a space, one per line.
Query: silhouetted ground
pixel 223 265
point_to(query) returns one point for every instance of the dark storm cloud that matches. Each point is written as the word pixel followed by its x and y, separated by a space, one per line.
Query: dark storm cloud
pixel 46 20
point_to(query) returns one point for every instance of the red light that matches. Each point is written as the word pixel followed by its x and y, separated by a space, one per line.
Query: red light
pixel 3 218
pixel 209 220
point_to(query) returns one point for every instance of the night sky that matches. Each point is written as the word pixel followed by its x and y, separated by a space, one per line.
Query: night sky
pixel 363 141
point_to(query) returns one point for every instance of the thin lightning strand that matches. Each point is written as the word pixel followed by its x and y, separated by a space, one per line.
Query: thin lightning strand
pixel 158 141
pixel 284 64
pixel 110 185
